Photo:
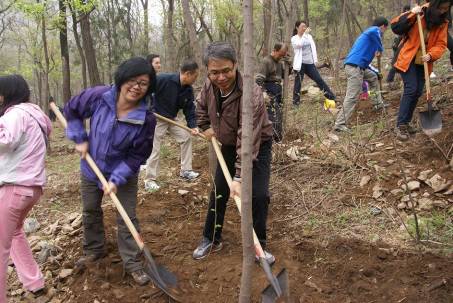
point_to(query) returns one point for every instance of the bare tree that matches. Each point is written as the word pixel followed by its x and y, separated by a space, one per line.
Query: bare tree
pixel 75 32
pixel 90 53
pixel 246 156
pixel 190 24
pixel 65 69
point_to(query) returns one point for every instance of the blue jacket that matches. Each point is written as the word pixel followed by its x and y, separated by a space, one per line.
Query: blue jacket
pixel 365 47
pixel 171 96
pixel 118 146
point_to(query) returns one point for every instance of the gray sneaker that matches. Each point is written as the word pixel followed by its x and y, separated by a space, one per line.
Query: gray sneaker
pixel 140 277
pixel 402 133
pixel 341 128
pixel 151 186
pixel 267 256
pixel 205 248
pixel 188 175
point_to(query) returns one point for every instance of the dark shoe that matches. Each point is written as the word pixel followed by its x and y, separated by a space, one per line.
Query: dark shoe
pixel 380 106
pixel 83 261
pixel 140 277
pixel 205 248
pixel 401 133
pixel 268 257
pixel 342 128
pixel 39 292
pixel 412 130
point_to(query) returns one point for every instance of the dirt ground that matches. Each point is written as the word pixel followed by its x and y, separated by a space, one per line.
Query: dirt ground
pixel 337 242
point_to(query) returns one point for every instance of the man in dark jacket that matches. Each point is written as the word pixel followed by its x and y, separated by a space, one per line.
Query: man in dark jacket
pixel 174 92
pixel 219 114
pixel 269 77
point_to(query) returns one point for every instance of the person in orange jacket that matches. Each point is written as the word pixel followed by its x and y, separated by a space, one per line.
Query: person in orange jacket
pixel 409 59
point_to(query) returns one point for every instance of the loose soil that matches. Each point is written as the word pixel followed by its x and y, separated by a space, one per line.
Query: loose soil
pixel 320 226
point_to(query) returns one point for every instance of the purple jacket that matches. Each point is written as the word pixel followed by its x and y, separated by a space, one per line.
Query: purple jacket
pixel 118 146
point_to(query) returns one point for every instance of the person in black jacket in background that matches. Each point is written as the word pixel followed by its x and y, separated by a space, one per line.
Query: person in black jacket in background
pixel 174 92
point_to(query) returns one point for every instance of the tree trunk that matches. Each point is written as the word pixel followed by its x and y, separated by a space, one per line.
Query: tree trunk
pixel 83 63
pixel 145 25
pixel 90 53
pixel 65 69
pixel 109 42
pixel 190 25
pixel 267 35
pixel 45 91
pixel 170 42
pixel 307 21
pixel 245 294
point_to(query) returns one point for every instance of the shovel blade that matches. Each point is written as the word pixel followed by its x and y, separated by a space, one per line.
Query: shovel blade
pixel 270 296
pixel 161 277
pixel 431 122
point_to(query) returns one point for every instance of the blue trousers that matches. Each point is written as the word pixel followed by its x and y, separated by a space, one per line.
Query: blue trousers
pixel 414 82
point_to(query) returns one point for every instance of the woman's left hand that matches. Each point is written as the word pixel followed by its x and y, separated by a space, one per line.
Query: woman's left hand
pixel 426 58
pixel 110 189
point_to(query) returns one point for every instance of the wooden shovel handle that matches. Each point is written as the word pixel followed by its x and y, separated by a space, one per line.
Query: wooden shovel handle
pixel 104 182
pixel 258 249
pixel 179 125
pixel 425 64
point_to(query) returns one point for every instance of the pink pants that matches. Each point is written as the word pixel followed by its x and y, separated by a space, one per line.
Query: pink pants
pixel 15 203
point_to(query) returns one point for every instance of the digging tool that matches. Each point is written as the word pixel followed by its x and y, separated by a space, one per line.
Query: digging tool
pixel 179 125
pixel 278 290
pixel 161 277
pixel 379 64
pixel 430 119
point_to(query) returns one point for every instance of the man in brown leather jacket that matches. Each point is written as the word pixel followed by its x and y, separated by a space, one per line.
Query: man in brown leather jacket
pixel 219 114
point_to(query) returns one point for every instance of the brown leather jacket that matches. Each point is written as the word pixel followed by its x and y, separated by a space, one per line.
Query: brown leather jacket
pixel 226 122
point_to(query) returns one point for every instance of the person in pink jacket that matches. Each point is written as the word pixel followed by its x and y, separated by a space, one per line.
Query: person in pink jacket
pixel 24 131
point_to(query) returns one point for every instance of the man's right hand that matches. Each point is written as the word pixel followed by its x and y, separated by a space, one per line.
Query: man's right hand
pixel 82 149
pixel 416 10
pixel 209 133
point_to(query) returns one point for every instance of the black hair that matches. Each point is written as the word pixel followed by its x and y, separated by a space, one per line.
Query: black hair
pixel 219 50
pixel 14 90
pixel 406 8
pixel 380 21
pixel 297 24
pixel 188 65
pixel 151 57
pixel 433 18
pixel 278 46
pixel 134 67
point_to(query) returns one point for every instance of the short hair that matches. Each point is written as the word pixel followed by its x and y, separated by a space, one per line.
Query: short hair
pixel 219 50
pixel 15 90
pixel 134 67
pixel 380 21
pixel 188 65
pixel 151 57
pixel 406 8
pixel 278 46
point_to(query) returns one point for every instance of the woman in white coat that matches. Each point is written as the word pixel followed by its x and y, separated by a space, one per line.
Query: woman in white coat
pixel 305 60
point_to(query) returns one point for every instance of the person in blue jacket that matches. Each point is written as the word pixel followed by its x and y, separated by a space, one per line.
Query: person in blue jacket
pixel 365 48
pixel 174 92
pixel 120 139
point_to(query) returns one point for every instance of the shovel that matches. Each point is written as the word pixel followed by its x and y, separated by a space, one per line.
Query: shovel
pixel 161 277
pixel 430 119
pixel 278 290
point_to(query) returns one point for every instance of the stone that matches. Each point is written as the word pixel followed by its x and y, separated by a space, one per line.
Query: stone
pixel 440 203
pixel 66 229
pixel 401 205
pixel 292 153
pixel 437 183
pixel 44 255
pixel 31 225
pixel 423 176
pixel 183 192
pixel 396 191
pixel 378 191
pixel 364 181
pixel 77 222
pixel 118 293
pixel 64 273
pixel 333 137
pixel 425 204
pixel 411 185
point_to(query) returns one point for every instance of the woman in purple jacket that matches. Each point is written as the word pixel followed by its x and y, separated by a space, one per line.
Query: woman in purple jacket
pixel 119 141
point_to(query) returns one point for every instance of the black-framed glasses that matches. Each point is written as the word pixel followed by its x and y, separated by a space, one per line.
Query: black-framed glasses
pixel 143 85
pixel 216 73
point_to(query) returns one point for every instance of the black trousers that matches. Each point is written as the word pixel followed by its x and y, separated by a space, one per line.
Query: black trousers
pixel 450 47
pixel 311 71
pixel 93 222
pixel 275 108
pixel 260 194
